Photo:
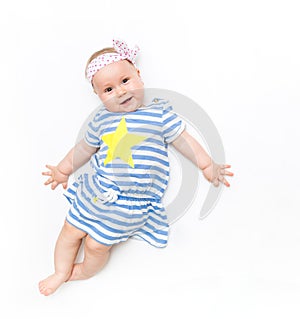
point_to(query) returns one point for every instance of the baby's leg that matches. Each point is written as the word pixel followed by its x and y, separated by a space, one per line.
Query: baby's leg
pixel 95 257
pixel 66 250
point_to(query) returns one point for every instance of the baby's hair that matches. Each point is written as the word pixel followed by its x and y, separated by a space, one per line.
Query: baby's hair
pixel 96 54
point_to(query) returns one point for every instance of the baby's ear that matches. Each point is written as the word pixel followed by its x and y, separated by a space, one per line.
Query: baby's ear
pixel 94 89
pixel 139 74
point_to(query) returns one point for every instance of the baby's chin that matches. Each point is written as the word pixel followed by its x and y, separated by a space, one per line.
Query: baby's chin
pixel 119 108
pixel 129 108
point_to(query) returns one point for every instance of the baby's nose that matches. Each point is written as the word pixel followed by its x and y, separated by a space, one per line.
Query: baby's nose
pixel 121 90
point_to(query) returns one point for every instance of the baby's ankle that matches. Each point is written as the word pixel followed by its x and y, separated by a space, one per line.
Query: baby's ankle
pixel 63 275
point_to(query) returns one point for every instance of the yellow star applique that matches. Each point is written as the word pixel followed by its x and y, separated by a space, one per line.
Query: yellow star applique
pixel 120 142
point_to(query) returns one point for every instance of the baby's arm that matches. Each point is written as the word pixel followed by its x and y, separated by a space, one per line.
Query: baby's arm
pixel 75 158
pixel 191 149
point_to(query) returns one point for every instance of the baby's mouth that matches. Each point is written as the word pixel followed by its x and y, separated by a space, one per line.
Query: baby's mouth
pixel 127 100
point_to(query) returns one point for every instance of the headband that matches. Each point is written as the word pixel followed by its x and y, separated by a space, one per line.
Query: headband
pixel 123 53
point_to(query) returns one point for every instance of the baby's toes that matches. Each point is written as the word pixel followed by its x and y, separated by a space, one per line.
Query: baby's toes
pixel 44 290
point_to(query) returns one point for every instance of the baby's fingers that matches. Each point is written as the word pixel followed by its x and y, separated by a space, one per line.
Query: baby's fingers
pixel 215 182
pixel 47 173
pixel 223 170
pixel 49 181
pixel 54 185
pixel 228 173
pixel 225 182
pixel 51 167
pixel 225 166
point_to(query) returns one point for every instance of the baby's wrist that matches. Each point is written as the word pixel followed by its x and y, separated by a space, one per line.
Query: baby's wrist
pixel 62 170
pixel 205 165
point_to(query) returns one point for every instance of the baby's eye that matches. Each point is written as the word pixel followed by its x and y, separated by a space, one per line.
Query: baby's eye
pixel 109 89
pixel 125 80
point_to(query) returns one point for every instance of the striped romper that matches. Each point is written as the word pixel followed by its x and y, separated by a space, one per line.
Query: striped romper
pixel 121 195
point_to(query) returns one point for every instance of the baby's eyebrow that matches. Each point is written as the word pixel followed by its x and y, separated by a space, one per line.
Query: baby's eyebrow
pixel 106 84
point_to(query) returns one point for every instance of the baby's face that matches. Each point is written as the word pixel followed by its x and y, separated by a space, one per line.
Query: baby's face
pixel 119 87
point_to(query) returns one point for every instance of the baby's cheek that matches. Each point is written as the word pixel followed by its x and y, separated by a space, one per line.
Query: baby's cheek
pixel 137 84
pixel 107 99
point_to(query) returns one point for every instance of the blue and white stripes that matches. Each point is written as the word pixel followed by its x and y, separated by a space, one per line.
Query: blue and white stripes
pixel 138 185
pixel 112 222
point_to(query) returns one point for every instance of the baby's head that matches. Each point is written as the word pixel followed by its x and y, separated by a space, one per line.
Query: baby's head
pixel 115 78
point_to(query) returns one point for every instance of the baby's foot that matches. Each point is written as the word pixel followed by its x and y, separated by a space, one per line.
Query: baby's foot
pixel 77 273
pixel 51 283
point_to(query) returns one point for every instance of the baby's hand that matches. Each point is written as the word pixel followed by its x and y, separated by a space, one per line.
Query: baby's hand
pixel 56 177
pixel 215 173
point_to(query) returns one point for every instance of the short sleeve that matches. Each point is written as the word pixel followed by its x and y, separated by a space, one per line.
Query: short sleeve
pixel 173 125
pixel 92 134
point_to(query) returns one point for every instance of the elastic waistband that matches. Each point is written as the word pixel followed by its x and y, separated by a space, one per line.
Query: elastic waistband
pixel 112 195
pixel 138 198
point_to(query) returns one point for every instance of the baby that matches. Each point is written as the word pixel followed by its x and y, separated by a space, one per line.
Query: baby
pixel 126 144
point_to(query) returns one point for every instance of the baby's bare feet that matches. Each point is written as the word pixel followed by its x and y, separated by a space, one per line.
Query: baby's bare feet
pixel 51 283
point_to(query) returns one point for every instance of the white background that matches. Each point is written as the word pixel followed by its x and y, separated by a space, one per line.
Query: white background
pixel 240 61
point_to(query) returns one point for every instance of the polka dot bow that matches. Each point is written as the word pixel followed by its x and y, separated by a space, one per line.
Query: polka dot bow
pixel 123 53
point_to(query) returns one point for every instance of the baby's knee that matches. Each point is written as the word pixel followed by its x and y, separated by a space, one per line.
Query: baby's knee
pixel 94 247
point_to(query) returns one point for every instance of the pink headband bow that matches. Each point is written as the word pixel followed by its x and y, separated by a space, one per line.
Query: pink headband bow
pixel 123 53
